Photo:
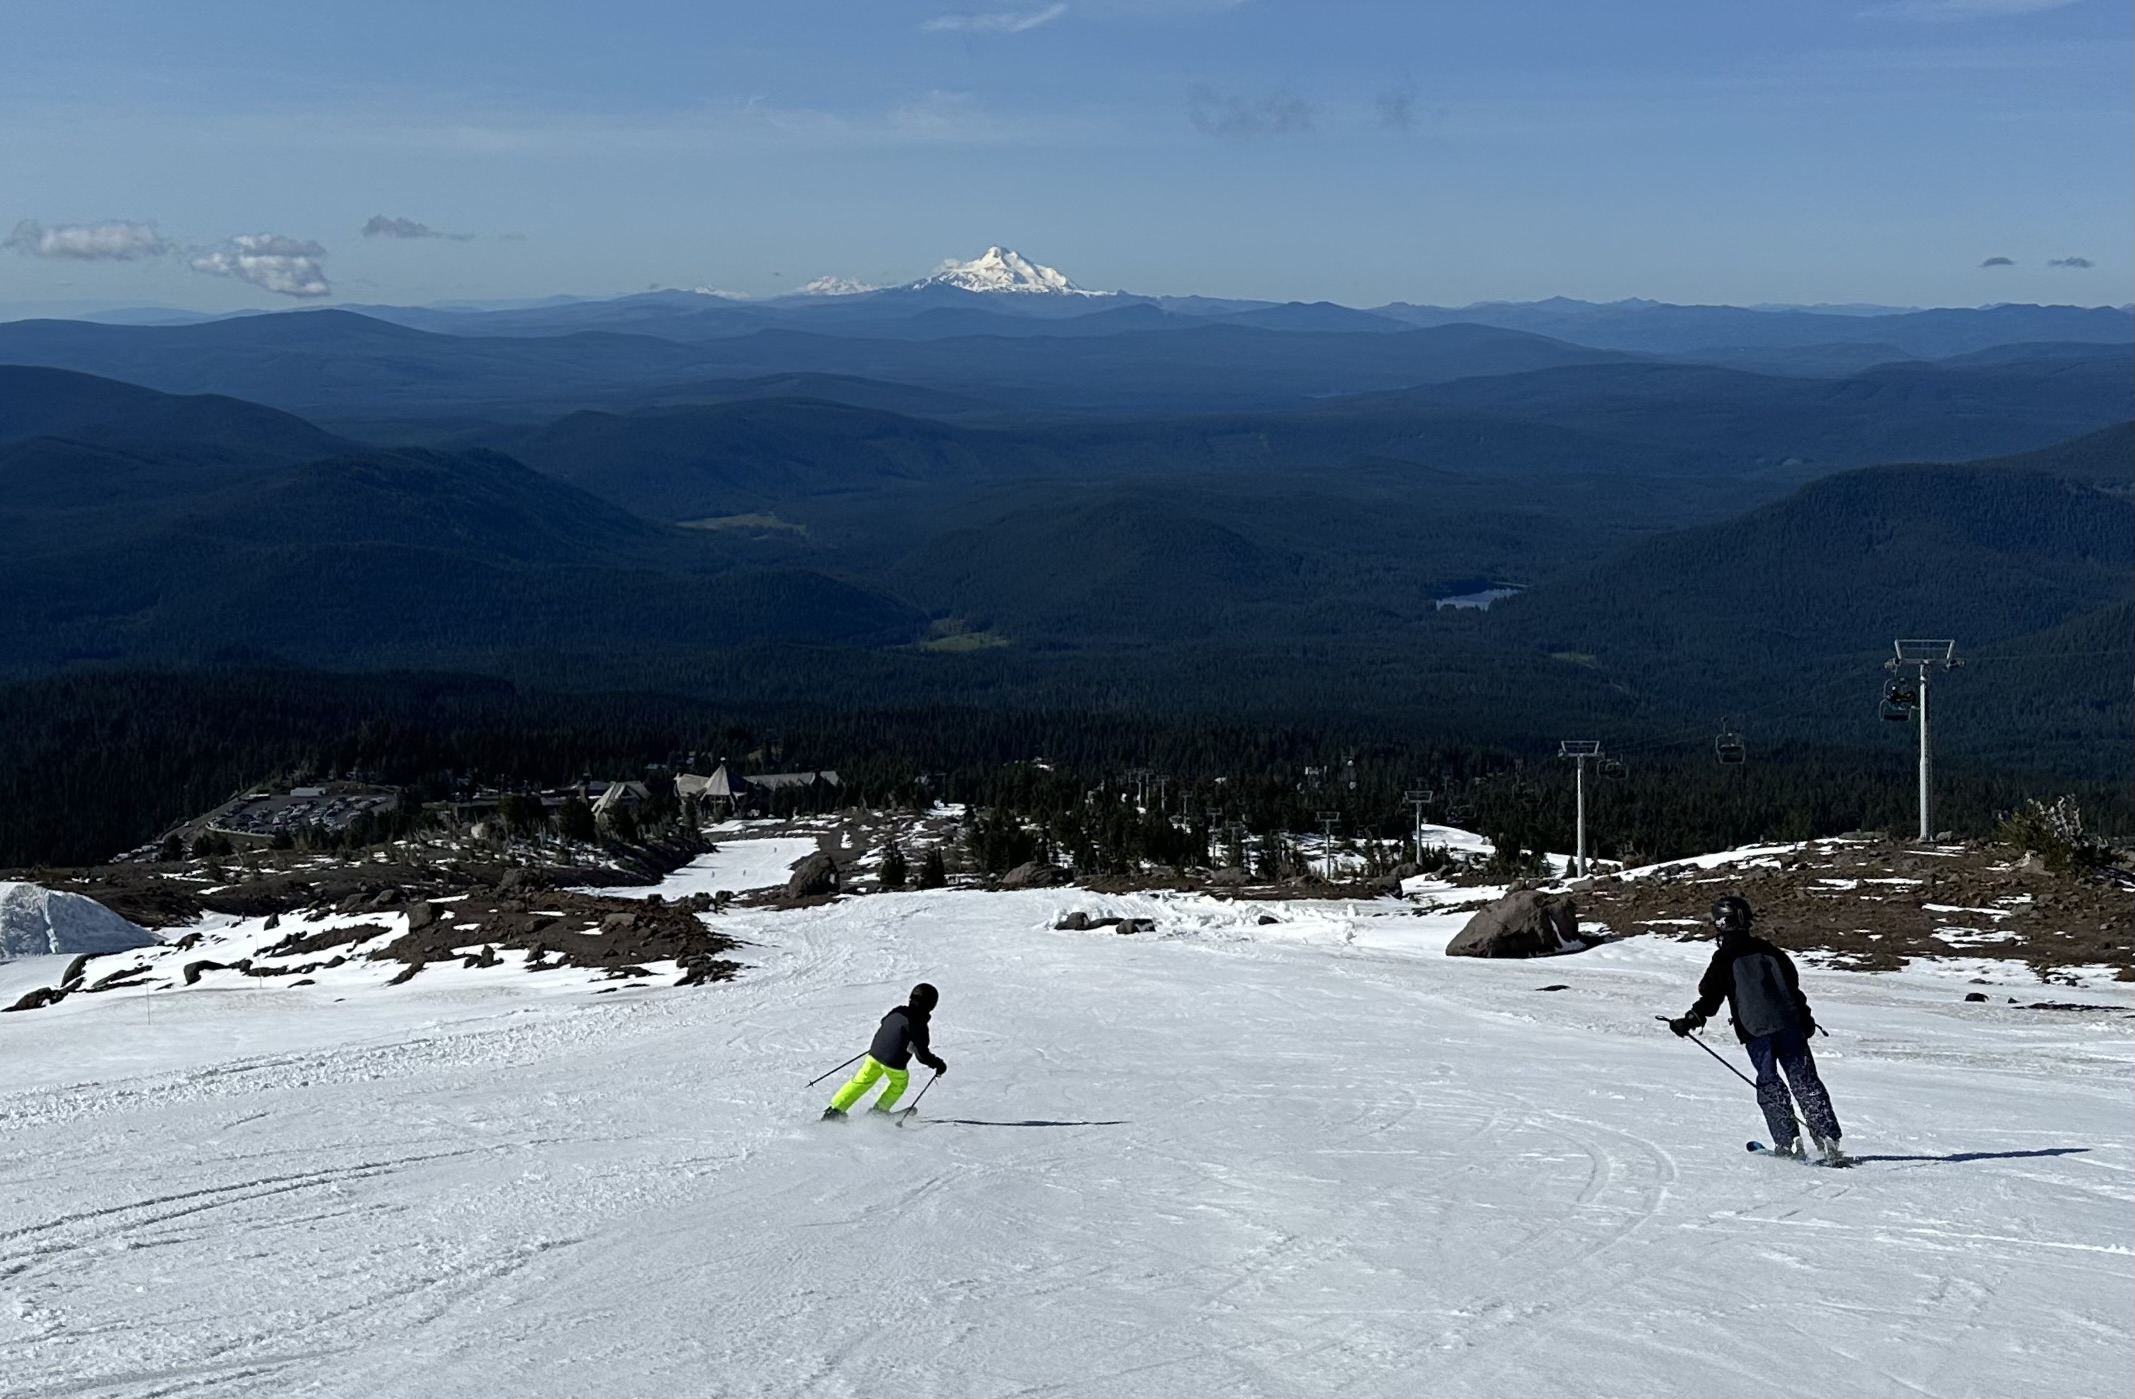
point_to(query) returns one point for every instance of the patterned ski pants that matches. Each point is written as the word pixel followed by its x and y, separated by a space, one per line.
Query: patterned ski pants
pixel 870 1070
pixel 1788 1052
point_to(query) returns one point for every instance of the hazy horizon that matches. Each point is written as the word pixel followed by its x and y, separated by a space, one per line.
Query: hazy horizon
pixel 1901 152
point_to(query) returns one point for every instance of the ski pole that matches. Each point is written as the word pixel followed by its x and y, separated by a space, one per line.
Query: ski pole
pixel 1700 1043
pixel 828 1072
pixel 917 1096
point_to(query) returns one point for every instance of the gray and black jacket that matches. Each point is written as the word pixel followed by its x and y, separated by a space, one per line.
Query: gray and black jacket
pixel 901 1037
pixel 1758 982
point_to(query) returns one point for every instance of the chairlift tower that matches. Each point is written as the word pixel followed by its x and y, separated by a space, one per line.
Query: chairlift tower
pixel 1418 797
pixel 1328 821
pixel 1922 657
pixel 1581 751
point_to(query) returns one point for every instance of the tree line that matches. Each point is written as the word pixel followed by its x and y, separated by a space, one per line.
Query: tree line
pixel 97 762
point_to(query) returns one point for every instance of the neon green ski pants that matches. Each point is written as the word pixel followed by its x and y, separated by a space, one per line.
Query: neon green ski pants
pixel 871 1069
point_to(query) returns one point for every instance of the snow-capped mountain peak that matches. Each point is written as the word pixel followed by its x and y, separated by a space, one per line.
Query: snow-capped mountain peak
pixel 1003 270
pixel 835 286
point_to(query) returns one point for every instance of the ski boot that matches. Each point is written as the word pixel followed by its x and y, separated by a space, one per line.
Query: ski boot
pixel 833 1114
pixel 1792 1150
pixel 879 1111
pixel 1831 1155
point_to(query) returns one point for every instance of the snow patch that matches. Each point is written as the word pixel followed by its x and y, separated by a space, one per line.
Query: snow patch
pixel 36 921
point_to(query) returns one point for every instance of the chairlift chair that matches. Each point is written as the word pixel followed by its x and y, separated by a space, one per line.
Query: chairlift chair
pixel 1899 702
pixel 1729 747
pixel 1612 767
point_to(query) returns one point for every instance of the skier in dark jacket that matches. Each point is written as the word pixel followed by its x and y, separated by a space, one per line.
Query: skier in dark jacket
pixel 901 1038
pixel 1772 1017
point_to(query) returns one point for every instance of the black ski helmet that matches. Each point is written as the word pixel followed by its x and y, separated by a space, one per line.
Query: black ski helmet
pixel 1731 914
pixel 924 996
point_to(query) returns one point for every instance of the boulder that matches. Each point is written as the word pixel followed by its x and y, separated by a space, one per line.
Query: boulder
pixel 1034 874
pixel 1075 922
pixel 193 970
pixel 1525 923
pixel 522 880
pixel 1229 877
pixel 817 874
pixel 421 914
pixel 38 999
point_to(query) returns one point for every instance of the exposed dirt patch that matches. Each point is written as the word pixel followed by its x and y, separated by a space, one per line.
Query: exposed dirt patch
pixel 567 930
pixel 1878 903
pixel 164 895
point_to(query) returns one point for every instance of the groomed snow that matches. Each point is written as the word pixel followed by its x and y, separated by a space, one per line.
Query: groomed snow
pixel 1316 1157
pixel 736 866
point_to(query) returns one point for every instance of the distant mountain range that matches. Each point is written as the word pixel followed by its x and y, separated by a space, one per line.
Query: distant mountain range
pixel 991 293
pixel 989 481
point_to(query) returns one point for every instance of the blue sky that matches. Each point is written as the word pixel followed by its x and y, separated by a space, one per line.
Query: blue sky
pixel 1707 150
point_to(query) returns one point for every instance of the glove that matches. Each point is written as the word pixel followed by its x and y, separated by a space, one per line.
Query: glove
pixel 1684 1024
pixel 940 1067
pixel 1813 1031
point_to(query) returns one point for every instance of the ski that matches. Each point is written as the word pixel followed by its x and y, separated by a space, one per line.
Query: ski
pixel 1839 1164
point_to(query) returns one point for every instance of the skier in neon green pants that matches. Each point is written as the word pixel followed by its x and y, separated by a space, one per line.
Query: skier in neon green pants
pixel 901 1038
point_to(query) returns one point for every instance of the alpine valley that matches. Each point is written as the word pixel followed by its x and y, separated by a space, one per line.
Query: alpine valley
pixel 997 503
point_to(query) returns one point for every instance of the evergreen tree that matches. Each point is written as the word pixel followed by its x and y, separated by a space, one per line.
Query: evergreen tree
pixel 894 867
pixel 522 813
pixel 574 819
pixel 933 874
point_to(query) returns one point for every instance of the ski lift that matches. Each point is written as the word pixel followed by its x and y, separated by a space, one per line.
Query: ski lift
pixel 1612 768
pixel 1899 702
pixel 1729 746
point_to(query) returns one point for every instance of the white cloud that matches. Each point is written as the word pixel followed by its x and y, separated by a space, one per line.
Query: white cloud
pixel 994 21
pixel 1239 118
pixel 88 242
pixel 940 116
pixel 1396 109
pixel 385 226
pixel 286 266
pixel 1947 10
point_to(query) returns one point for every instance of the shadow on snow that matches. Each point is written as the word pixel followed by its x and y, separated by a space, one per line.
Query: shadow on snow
pixel 1031 1122
pixel 1984 1155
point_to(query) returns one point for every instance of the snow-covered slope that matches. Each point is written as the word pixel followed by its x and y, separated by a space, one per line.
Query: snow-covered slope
pixel 834 286
pixel 1003 270
pixel 36 921
pixel 1309 1157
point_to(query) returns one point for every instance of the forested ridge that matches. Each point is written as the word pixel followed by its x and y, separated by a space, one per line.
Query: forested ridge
pixel 576 541
pixel 94 763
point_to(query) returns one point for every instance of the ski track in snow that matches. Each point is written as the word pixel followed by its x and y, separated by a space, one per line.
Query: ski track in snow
pixel 1312 1158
